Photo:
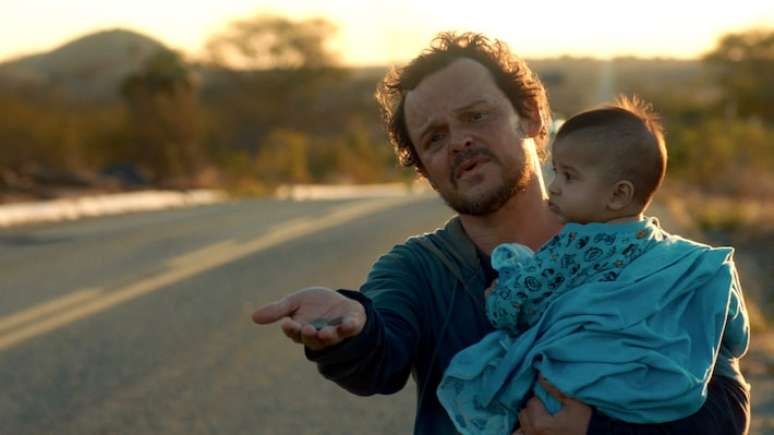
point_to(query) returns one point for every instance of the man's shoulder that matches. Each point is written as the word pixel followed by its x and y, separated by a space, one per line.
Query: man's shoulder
pixel 430 255
pixel 449 237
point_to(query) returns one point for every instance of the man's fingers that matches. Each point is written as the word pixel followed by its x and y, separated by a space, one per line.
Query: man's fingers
pixel 349 327
pixel 270 313
pixel 536 410
pixel 539 420
pixel 292 329
pixel 328 334
pixel 309 336
pixel 535 419
pixel 313 338
pixel 558 395
pixel 524 422
pixel 333 334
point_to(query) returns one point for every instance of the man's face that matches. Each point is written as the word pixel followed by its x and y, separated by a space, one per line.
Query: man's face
pixel 578 193
pixel 468 138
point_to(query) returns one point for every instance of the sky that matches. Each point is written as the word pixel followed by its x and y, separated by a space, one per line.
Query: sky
pixel 374 32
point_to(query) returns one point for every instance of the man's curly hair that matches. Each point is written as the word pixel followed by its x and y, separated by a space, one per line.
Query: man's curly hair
pixel 510 73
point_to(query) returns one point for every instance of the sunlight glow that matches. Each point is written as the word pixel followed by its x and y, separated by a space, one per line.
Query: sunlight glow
pixel 374 32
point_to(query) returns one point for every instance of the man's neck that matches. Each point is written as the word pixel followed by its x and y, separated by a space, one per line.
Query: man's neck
pixel 524 219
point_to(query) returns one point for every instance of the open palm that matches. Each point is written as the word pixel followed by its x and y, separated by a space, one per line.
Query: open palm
pixel 317 317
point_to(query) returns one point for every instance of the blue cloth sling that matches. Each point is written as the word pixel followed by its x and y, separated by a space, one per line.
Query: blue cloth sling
pixel 640 348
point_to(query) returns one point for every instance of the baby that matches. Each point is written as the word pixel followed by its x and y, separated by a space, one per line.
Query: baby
pixel 613 310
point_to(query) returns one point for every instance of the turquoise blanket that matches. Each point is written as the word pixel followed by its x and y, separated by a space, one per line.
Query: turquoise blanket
pixel 640 349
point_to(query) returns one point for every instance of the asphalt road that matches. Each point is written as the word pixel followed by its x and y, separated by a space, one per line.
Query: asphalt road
pixel 140 324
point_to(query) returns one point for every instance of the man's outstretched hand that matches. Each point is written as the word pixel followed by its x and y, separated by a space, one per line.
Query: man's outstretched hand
pixel 304 311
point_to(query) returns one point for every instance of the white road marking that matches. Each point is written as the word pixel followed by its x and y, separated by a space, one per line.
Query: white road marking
pixel 46 317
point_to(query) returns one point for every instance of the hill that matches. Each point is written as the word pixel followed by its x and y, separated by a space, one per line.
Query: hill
pixel 89 67
pixel 92 67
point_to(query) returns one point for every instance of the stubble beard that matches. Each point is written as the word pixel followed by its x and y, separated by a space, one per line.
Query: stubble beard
pixel 486 203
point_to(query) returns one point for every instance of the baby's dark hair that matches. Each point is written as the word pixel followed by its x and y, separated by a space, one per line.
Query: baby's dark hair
pixel 627 139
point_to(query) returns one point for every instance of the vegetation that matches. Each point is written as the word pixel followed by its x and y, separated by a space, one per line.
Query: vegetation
pixel 271 105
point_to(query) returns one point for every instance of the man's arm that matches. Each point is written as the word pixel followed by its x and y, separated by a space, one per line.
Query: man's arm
pixel 373 349
pixel 374 361
pixel 726 411
pixel 380 358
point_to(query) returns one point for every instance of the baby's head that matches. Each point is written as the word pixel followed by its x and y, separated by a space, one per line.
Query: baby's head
pixel 608 163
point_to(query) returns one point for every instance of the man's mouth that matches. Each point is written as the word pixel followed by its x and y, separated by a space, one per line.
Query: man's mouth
pixel 469 165
pixel 554 208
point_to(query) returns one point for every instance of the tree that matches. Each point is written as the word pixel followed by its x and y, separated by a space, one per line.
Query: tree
pixel 744 65
pixel 163 112
pixel 267 42
pixel 272 74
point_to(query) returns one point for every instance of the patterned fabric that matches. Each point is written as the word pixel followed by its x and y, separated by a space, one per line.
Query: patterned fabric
pixel 527 283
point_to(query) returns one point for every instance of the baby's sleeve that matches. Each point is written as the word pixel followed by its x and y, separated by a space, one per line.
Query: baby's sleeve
pixel 521 285
pixel 503 304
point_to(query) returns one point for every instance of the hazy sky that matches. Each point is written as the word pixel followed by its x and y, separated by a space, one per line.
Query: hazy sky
pixel 377 32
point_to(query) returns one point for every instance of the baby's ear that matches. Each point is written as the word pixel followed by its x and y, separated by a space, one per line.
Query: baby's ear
pixel 621 196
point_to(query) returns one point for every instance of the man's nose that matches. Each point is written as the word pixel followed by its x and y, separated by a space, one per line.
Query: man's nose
pixel 460 140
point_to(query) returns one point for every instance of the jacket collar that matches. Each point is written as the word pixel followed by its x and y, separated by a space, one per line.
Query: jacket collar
pixel 458 245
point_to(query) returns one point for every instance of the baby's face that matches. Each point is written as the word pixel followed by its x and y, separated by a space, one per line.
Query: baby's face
pixel 578 192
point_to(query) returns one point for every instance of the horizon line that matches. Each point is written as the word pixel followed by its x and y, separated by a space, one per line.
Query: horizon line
pixel 195 55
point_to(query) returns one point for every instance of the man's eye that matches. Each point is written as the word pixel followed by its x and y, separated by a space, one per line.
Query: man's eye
pixel 476 116
pixel 567 176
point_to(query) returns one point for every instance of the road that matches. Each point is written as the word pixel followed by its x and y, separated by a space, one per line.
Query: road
pixel 140 324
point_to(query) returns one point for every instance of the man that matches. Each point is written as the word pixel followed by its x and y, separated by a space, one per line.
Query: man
pixel 472 119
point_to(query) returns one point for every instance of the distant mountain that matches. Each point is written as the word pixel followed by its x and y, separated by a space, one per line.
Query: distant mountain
pixel 90 67
pixel 576 83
